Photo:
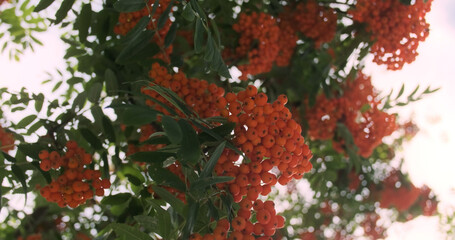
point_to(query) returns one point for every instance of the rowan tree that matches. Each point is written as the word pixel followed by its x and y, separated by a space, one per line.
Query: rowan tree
pixel 154 136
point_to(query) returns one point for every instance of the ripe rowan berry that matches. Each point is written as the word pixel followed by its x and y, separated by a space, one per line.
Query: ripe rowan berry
pixel 238 223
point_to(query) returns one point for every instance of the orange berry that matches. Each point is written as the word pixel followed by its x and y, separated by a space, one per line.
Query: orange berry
pixel 99 192
pixel 263 216
pixel 71 144
pixel 54 156
pixel 73 163
pixel 45 165
pixel 238 223
pixel 105 183
pixel 43 154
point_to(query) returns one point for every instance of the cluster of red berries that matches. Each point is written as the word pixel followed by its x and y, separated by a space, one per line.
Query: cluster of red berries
pixel 242 226
pixel 268 136
pixel 76 183
pixel 127 21
pixel 402 198
pixel 259 33
pixel 358 110
pixel 258 43
pixel 315 21
pixel 312 20
pixel 197 94
pixel 6 140
pixel 395 28
pixel 323 117
pixel 406 197
pixel 288 39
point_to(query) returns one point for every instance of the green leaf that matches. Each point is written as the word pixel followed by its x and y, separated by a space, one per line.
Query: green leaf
pixel 163 176
pixel 222 68
pixel 133 179
pixel 190 219
pixel 428 90
pixel 199 10
pixel 125 231
pixel 217 133
pixel 202 183
pixel 79 101
pixel 213 211
pixel 170 36
pixel 172 98
pixel 105 165
pixel 156 140
pixel 8 157
pixel 97 114
pixel 26 121
pixel 108 129
pixel 410 97
pixel 138 45
pixel 62 12
pixel 208 168
pixel 190 152
pixel 400 92
pixel 1 179
pixel 198 36
pixel 140 26
pixel 31 149
pixel 216 31
pixel 39 100
pixel 57 86
pixel 151 157
pixel 83 21
pixel 210 49
pixel 165 15
pixel 138 115
pixel 175 203
pixel 172 129
pixel 43 4
pixel 94 92
pixel 134 175
pixel 129 5
pixel 111 82
pixel 116 199
pixel 330 175
pixel 20 175
pixel 163 218
pixel 155 6
pixel 74 80
pixel 188 13
pixel 345 134
pixel 148 222
pixel 228 201
pixel 91 138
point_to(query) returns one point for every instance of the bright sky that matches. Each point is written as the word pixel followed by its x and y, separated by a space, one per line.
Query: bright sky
pixel 429 156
